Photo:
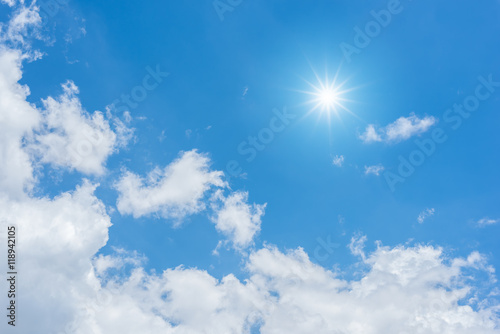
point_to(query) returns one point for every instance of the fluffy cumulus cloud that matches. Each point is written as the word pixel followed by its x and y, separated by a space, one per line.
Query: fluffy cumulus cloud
pixel 175 191
pixel 18 119
pixel 237 219
pixel 402 129
pixel 24 20
pixel 59 238
pixel 183 188
pixel 70 137
pixel 61 133
pixel 402 290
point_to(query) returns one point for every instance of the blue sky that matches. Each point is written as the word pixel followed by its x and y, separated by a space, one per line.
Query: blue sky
pixel 229 74
pixel 425 61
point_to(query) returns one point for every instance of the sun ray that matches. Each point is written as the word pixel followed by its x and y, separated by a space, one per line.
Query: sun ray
pixel 328 96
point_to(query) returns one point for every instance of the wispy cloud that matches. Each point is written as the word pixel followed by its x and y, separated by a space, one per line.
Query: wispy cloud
pixel 425 214
pixel 162 136
pixel 357 245
pixel 338 160
pixel 487 221
pixel 402 129
pixel 375 170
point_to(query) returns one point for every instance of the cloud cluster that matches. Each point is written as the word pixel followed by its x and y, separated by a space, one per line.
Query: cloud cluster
pixel 70 137
pixel 237 219
pixel 175 191
pixel 61 134
pixel 58 238
pixel 18 120
pixel 24 22
pixel 402 290
pixel 183 188
pixel 401 129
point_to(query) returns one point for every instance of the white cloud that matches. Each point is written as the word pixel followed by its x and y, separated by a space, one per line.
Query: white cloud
pixel 24 22
pixel 72 138
pixel 237 219
pixel 54 135
pixel 59 238
pixel 357 245
pixel 403 290
pixel 124 134
pixel 118 260
pixel 487 221
pixel 425 214
pixel 180 301
pixel 405 128
pixel 9 2
pixel 338 160
pixel 375 170
pixel 176 191
pixel 16 171
pixel 402 129
pixel 370 134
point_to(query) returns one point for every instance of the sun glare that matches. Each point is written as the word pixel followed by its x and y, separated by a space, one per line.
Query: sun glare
pixel 327 96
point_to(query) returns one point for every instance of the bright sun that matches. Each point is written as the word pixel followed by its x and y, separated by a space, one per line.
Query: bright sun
pixel 327 96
